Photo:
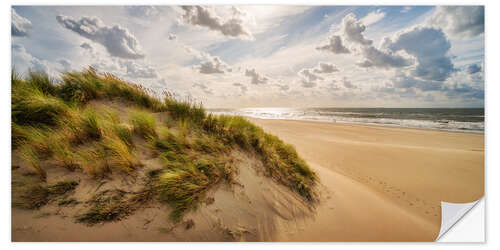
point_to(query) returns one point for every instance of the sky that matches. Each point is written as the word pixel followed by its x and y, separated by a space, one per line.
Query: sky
pixel 267 56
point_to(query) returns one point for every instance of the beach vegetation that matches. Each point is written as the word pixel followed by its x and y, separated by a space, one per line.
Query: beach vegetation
pixel 60 124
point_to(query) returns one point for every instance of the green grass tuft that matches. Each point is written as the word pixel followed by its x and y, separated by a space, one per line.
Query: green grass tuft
pixel 184 110
pixel 143 123
pixel 91 124
pixel 118 155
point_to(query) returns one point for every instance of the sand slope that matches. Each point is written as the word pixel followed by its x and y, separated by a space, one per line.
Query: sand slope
pixel 251 209
pixel 387 183
pixel 377 184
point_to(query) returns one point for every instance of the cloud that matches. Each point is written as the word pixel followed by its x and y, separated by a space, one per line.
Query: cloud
pixel 118 41
pixel 332 86
pixel 20 25
pixel 204 17
pixel 372 17
pixel 210 64
pixel 125 68
pixel 308 84
pixel 65 64
pixel 23 59
pixel 430 48
pixel 214 65
pixel 434 71
pixel 197 53
pixel 464 91
pixel 404 81
pixel 256 78
pixel 474 68
pixel 86 46
pixel 136 70
pixel 459 21
pixel 172 36
pixel 334 45
pixel 352 29
pixel 204 88
pixel 142 11
pixel 282 87
pixel 348 84
pixel 325 68
pixel 242 87
pixel 309 79
pixel 306 73
pixel 310 76
pixel 382 59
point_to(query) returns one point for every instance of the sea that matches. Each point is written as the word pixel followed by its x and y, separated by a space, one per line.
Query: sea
pixel 449 119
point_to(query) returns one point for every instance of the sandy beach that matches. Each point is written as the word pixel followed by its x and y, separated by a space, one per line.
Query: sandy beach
pixel 383 183
pixel 376 184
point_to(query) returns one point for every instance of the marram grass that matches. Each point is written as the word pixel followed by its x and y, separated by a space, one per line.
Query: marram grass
pixel 54 124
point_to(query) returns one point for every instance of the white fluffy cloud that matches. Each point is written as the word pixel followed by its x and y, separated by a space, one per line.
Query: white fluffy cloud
pixel 348 84
pixel 459 21
pixel 325 68
pixel 353 30
pixel 372 17
pixel 334 45
pixel 117 40
pixel 383 59
pixel 20 57
pixel 309 79
pixel 214 65
pixel 308 75
pixel 205 17
pixel 242 87
pixel 126 68
pixel 255 77
pixel 430 48
pixel 136 70
pixel 210 64
pixel 20 25
pixel 311 76
pixel 23 61
pixel 204 88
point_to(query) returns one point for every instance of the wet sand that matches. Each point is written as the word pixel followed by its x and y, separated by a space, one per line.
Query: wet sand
pixel 383 183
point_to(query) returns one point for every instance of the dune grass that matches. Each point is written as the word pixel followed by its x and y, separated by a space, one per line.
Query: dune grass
pixel 143 123
pixel 55 123
pixel 106 206
pixel 37 195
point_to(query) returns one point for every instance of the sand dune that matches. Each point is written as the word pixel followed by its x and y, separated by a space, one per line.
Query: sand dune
pixel 384 183
pixel 377 184
pixel 254 208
